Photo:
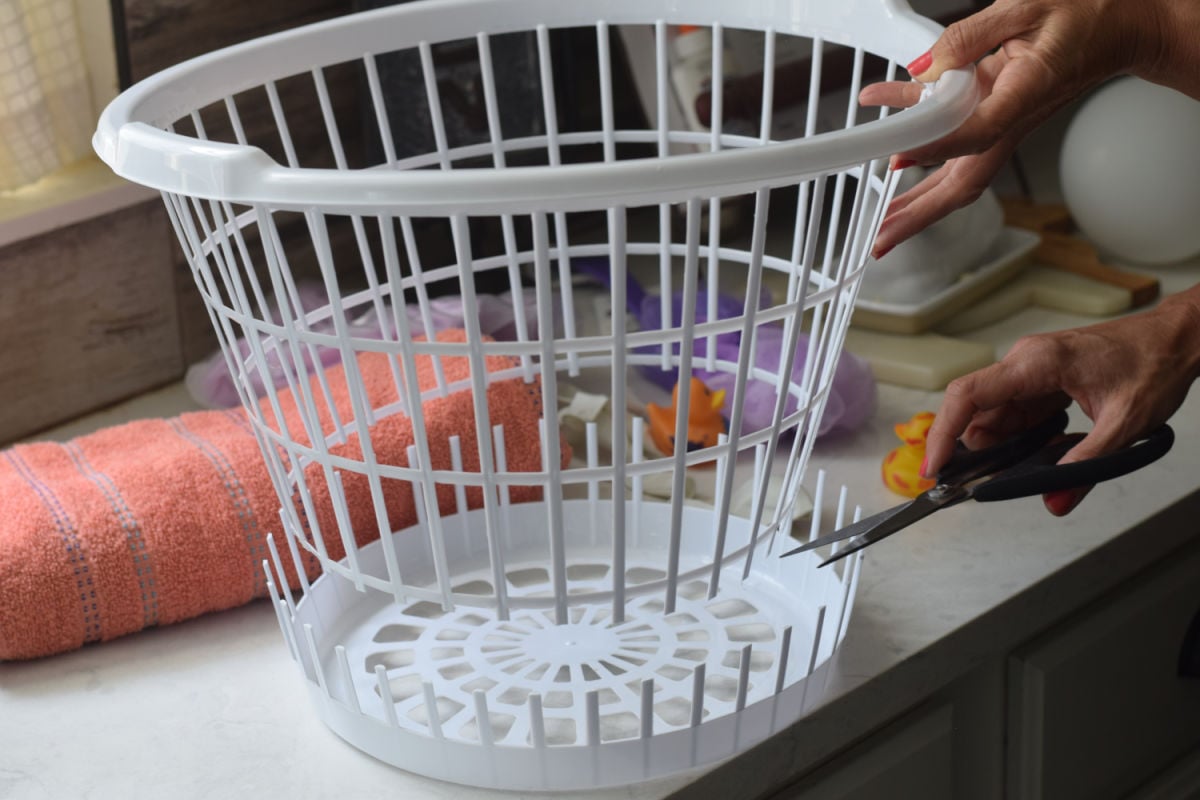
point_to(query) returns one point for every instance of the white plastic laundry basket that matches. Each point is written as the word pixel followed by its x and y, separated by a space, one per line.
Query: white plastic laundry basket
pixel 593 633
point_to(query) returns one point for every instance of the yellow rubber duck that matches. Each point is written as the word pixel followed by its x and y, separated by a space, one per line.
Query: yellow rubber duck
pixel 705 422
pixel 902 467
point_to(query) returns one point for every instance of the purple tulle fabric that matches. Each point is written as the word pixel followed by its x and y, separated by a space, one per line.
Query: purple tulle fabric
pixel 851 397
pixel 850 404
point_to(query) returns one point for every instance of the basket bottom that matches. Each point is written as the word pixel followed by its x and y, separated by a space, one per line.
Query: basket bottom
pixel 532 702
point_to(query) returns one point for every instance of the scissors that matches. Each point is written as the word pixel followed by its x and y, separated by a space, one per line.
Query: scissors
pixel 1023 466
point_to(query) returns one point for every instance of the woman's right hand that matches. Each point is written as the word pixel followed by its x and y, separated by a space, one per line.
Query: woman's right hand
pixel 1129 375
pixel 1050 52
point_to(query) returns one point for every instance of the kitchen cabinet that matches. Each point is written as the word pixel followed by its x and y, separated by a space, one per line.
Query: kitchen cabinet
pixel 1092 708
pixel 1096 705
pixel 913 757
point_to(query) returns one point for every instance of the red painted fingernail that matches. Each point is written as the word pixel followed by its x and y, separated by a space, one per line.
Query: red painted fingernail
pixel 1062 503
pixel 922 63
pixel 902 163
pixel 925 467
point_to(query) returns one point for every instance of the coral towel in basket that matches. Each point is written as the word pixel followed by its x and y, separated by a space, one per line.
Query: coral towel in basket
pixel 157 521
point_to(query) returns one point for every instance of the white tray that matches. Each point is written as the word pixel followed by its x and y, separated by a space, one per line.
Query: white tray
pixel 1007 256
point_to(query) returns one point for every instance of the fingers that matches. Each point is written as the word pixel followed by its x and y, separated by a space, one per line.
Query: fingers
pixel 993 426
pixel 897 94
pixel 959 406
pixel 1062 503
pixel 1106 437
pixel 1018 98
pixel 969 40
pixel 952 187
pixel 1027 378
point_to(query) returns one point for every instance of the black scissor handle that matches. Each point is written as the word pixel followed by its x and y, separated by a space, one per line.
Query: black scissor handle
pixel 1042 473
pixel 968 465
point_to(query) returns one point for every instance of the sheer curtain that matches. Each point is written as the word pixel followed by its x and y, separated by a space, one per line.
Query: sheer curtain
pixel 46 109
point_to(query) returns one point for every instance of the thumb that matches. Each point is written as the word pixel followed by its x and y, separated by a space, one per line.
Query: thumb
pixel 1106 437
pixel 970 39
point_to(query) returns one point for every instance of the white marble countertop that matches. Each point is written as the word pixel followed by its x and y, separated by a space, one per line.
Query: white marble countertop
pixel 214 707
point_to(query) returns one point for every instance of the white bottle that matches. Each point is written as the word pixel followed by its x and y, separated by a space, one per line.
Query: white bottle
pixel 692 67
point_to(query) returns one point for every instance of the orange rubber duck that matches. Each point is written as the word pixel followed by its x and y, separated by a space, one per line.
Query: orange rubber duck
pixel 902 467
pixel 705 422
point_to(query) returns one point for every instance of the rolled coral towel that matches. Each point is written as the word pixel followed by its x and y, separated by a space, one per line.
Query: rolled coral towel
pixel 161 520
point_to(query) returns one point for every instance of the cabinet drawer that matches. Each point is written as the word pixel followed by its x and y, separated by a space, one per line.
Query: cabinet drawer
pixel 1096 707
pixel 912 757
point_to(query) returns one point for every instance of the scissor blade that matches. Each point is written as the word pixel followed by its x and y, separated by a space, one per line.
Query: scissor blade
pixel 849 531
pixel 918 509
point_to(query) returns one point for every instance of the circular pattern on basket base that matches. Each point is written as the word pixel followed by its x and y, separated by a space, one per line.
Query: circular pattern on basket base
pixel 469 650
pixel 565 698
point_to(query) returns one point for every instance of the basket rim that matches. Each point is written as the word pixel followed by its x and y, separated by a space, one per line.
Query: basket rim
pixel 130 140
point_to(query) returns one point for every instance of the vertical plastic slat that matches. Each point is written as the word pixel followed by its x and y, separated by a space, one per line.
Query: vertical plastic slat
pixel 549 423
pixel 746 353
pixel 426 504
pixel 483 427
pixel 617 266
pixel 431 709
pixel 638 444
pixel 379 106
pixel 331 128
pixel 290 536
pixel 341 514
pixel 460 495
pixel 768 86
pixel 418 280
pixel 814 528
pixel 743 684
pixel 647 715
pixel 679 473
pixel 503 490
pixel 235 120
pixel 483 719
pixel 285 626
pixel 717 93
pixel 411 393
pixel 487 73
pixel 606 94
pixel 554 154
pixel 812 656
pixel 283 584
pixel 434 101
pixel 761 481
pixel 318 670
pixel 593 485
pixel 554 514
pixel 856 569
pixel 697 715
pixel 285 135
pixel 785 647
pixel 592 719
pixel 664 209
pixel 347 679
pixel 385 696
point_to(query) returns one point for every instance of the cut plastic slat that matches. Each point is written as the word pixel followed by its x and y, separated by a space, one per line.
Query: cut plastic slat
pixel 431 710
pixel 385 696
pixel 348 686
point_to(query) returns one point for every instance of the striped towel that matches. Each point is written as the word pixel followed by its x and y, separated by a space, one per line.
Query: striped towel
pixel 157 521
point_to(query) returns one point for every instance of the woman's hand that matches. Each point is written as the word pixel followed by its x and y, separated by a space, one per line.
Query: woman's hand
pixel 1050 51
pixel 1128 375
